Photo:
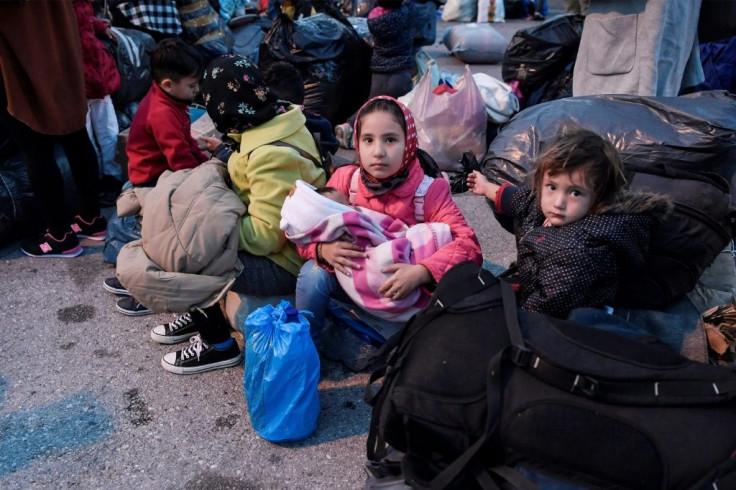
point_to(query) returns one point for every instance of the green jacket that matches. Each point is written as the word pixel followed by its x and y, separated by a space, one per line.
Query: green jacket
pixel 263 175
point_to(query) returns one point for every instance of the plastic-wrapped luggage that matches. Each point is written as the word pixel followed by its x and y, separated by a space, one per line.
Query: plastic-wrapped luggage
pixel 331 57
pixel 538 54
pixel 475 43
pixel 695 131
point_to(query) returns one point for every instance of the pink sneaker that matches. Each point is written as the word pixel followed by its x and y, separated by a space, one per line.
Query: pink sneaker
pixel 49 246
pixel 96 229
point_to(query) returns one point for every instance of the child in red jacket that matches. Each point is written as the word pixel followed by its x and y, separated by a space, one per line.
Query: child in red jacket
pixel 160 136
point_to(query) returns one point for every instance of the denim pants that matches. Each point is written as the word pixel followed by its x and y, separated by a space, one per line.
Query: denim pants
pixel 261 276
pixel 315 287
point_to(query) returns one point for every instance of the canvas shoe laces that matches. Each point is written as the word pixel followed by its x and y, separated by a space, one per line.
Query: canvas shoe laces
pixel 195 348
pixel 183 321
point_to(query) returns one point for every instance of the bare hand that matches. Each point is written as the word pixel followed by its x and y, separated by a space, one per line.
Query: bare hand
pixel 210 143
pixel 339 253
pixel 405 279
pixel 478 184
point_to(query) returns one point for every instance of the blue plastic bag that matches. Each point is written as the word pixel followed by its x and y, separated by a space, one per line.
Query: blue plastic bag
pixel 281 373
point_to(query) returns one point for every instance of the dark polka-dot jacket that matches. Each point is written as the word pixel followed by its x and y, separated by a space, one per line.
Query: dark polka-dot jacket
pixel 565 267
pixel 393 39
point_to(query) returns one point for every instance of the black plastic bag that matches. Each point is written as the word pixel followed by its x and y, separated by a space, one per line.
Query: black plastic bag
pixel 691 132
pixel 19 214
pixel 540 53
pixel 331 57
pixel 133 55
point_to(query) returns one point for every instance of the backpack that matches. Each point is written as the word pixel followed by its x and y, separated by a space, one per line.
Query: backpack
pixel 475 387
pixel 685 243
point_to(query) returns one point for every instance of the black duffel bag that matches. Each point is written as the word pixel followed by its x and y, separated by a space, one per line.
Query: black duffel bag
pixel 475 387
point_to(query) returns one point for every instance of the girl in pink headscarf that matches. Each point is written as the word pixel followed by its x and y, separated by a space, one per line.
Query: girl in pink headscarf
pixel 387 179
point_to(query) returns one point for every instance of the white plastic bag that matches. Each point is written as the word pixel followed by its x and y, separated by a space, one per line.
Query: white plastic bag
pixel 450 124
pixel 460 11
pixel 501 103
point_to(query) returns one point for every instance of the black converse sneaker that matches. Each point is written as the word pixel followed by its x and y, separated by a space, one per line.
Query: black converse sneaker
pixel 199 356
pixel 180 329
pixel 131 307
pixel 114 286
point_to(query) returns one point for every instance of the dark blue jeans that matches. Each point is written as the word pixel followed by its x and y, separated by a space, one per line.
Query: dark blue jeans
pixel 261 276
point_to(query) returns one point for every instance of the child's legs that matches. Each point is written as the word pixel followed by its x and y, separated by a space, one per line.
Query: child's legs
pixel 541 7
pixel 102 126
pixel 392 84
pixel 314 288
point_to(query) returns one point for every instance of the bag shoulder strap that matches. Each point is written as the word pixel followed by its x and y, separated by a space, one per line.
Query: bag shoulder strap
pixel 494 400
pixel 419 194
pixel 301 152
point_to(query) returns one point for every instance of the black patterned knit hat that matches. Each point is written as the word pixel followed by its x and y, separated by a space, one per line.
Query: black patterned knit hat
pixel 235 95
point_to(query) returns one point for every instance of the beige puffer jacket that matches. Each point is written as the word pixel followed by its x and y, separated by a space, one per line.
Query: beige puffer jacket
pixel 188 254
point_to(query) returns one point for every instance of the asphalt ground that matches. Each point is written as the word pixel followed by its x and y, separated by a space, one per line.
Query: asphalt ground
pixel 84 402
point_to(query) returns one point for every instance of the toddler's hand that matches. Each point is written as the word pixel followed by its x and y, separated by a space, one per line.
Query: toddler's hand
pixel 478 184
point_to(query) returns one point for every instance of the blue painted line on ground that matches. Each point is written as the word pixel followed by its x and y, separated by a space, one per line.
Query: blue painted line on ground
pixel 70 423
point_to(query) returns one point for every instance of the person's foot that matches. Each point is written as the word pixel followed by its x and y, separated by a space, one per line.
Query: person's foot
pixel 199 356
pixel 538 16
pixel 48 245
pixel 131 307
pixel 94 229
pixel 114 286
pixel 181 329
pixel 344 135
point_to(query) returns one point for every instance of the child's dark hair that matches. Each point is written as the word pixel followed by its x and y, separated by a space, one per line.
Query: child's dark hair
pixel 285 81
pixel 325 190
pixel 175 59
pixel 583 149
pixel 379 105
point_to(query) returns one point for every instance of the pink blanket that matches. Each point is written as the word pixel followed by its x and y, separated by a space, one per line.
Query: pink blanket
pixel 308 217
